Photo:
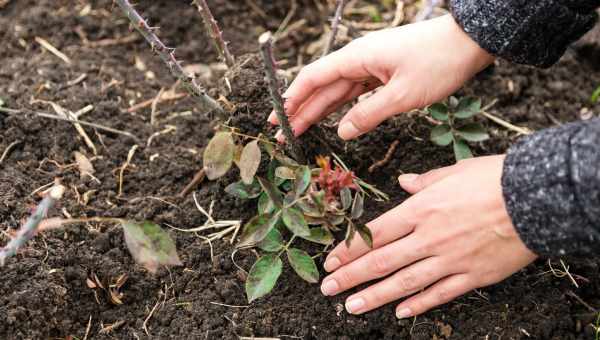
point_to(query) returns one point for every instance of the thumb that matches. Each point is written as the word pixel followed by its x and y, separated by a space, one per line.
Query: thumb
pixel 370 112
pixel 414 183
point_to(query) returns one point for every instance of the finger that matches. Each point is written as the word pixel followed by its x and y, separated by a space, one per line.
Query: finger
pixel 414 183
pixel 376 264
pixel 403 283
pixel 343 63
pixel 369 113
pixel 442 292
pixel 388 227
pixel 313 110
pixel 357 90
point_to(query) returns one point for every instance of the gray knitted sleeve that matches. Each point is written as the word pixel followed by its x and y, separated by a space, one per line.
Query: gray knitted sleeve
pixel 533 32
pixel 551 185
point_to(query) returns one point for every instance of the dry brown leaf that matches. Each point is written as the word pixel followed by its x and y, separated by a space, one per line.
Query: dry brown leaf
pixel 84 165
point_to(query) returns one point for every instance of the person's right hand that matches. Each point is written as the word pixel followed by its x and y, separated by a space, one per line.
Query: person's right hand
pixel 419 64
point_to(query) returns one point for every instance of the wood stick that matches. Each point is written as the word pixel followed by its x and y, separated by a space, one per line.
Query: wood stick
pixel 335 24
pixel 266 49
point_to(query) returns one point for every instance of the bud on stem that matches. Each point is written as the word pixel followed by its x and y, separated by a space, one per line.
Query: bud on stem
pixel 266 49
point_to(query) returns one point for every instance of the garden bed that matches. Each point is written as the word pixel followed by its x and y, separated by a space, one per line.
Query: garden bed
pixel 43 291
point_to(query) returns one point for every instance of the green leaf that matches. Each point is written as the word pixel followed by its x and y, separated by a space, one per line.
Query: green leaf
pixel 249 162
pixel 467 107
pixel 302 178
pixel 350 232
pixel 438 111
pixel 593 98
pixel 265 205
pixel 263 276
pixel 285 160
pixel 285 172
pixel 257 229
pixel 365 233
pixel 346 198
pixel 309 208
pixel 243 191
pixel 273 193
pixel 295 222
pixel 473 133
pixel 357 206
pixel 303 265
pixel 149 245
pixel 272 242
pixel 441 135
pixel 1 102
pixel 452 102
pixel 320 235
pixel 218 155
pixel 461 150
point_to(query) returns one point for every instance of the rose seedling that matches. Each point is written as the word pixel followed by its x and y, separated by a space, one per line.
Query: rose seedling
pixel 457 127
pixel 293 202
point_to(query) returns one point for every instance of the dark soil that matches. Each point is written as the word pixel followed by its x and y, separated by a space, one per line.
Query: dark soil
pixel 43 291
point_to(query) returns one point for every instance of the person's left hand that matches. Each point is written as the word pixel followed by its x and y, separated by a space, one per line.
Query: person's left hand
pixel 452 236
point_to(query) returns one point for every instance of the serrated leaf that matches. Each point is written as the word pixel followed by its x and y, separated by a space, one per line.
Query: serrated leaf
pixel 461 150
pixel 346 198
pixel 272 242
pixel 149 245
pixel 365 234
pixel 473 133
pixel 249 162
pixel 271 191
pixel 350 232
pixel 265 205
pixel 257 229
pixel 303 265
pixel 218 155
pixel 263 276
pixel 285 172
pixel 441 135
pixel 467 107
pixel 357 206
pixel 302 180
pixel 243 191
pixel 320 235
pixel 295 222
pixel 438 111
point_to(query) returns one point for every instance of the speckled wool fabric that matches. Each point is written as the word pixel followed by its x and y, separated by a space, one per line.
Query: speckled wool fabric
pixel 533 32
pixel 551 184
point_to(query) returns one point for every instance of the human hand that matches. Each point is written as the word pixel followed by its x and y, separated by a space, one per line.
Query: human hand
pixel 453 235
pixel 419 64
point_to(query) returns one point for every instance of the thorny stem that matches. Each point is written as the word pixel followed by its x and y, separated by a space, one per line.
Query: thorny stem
pixel 215 33
pixel 335 24
pixel 266 49
pixel 207 103
pixel 30 228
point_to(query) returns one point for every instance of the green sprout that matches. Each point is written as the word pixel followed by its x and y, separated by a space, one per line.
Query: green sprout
pixel 455 128
pixel 595 95
pixel 293 202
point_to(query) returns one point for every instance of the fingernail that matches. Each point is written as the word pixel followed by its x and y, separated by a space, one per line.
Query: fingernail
pixel 408 178
pixel 273 118
pixel 403 313
pixel 330 287
pixel 279 136
pixel 332 264
pixel 355 306
pixel 347 130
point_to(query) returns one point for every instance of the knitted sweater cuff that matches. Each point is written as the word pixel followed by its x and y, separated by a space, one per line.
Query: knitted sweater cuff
pixel 526 32
pixel 551 185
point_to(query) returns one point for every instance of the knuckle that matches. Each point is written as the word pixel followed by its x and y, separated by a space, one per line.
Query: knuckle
pixel 344 278
pixel 379 263
pixel 360 116
pixel 443 295
pixel 407 282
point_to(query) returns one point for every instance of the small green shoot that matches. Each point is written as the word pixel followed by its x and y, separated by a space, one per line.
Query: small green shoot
pixel 593 99
pixel 294 201
pixel 454 128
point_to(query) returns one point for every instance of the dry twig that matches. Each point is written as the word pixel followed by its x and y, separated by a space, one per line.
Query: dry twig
pixel 335 24
pixel 386 158
pixel 198 178
pixel 45 44
pixel 8 150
